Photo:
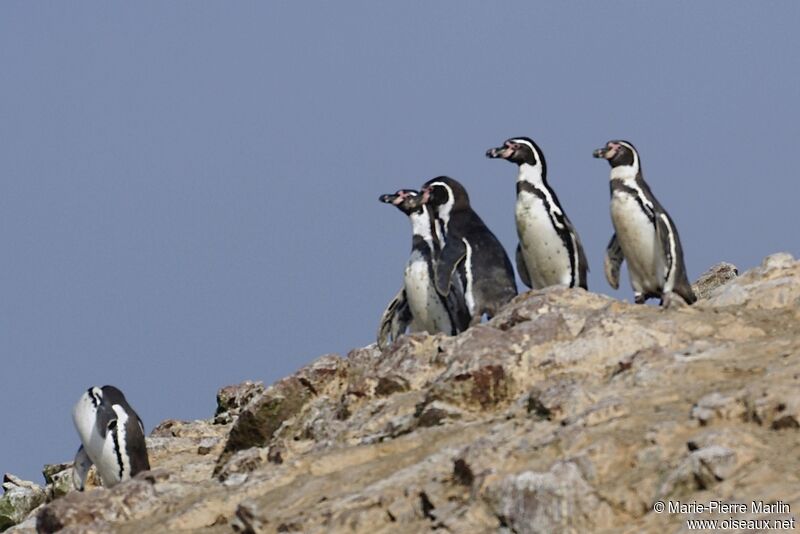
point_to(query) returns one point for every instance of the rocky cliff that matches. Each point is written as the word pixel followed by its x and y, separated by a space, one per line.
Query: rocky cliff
pixel 570 411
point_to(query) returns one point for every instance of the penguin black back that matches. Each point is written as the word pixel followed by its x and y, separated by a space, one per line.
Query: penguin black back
pixel 134 430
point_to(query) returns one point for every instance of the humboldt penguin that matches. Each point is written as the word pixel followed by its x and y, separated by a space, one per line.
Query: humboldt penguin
pixel 549 251
pixel 644 234
pixel 112 437
pixel 471 252
pixel 419 306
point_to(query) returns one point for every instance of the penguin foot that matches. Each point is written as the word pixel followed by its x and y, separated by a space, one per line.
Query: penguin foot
pixel 639 298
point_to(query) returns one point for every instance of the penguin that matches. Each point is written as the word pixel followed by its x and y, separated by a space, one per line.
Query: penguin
pixel 112 437
pixel 644 233
pixel 396 319
pixel 471 252
pixel 549 251
pixel 418 305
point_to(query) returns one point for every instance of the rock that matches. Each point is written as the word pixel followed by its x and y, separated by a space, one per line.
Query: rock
pixel 558 398
pixel 600 413
pixel 243 462
pixel 59 480
pixel 462 472
pixel 20 497
pixel 718 275
pixel 268 411
pixel 388 385
pixel 245 520
pixel 129 501
pixel 772 285
pixel 775 406
pixel 259 420
pixel 480 388
pixel 701 470
pixel 568 411
pixel 231 399
pixel 780 260
pixel 558 500
pixel 437 413
pixel 28 526
pixel 50 470
pixel 716 406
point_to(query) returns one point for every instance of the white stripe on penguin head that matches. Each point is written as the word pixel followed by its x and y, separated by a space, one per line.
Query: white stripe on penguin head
pixel 443 210
pixel 531 146
pixel 634 152
pixel 626 173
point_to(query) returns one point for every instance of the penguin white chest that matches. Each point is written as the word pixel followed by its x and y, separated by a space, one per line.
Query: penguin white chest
pixel 546 257
pixel 428 312
pixel 636 235
pixel 84 415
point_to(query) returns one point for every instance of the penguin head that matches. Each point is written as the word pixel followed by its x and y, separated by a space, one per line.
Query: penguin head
pixel 84 413
pixel 445 193
pixel 406 200
pixel 90 401
pixel 107 395
pixel 94 399
pixel 112 395
pixel 518 150
pixel 619 153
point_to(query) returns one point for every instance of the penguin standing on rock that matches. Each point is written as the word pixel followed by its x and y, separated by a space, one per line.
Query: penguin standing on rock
pixel 644 234
pixel 112 437
pixel 549 251
pixel 419 305
pixel 471 252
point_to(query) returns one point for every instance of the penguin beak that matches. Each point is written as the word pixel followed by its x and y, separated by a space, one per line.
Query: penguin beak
pixel 395 199
pixel 602 153
pixel 388 198
pixel 499 152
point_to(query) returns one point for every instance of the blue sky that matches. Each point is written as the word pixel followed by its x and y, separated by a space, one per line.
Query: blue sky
pixel 189 190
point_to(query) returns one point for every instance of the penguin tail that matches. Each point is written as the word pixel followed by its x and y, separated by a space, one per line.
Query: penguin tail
pixel 687 294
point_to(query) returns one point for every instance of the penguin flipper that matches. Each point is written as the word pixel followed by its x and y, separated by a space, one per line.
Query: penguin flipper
pixel 613 261
pixel 684 289
pixel 457 306
pixel 452 254
pixel 522 269
pixel 583 263
pixel 394 321
pixel 80 468
pixel 666 238
pixel 675 279
pixel 139 458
